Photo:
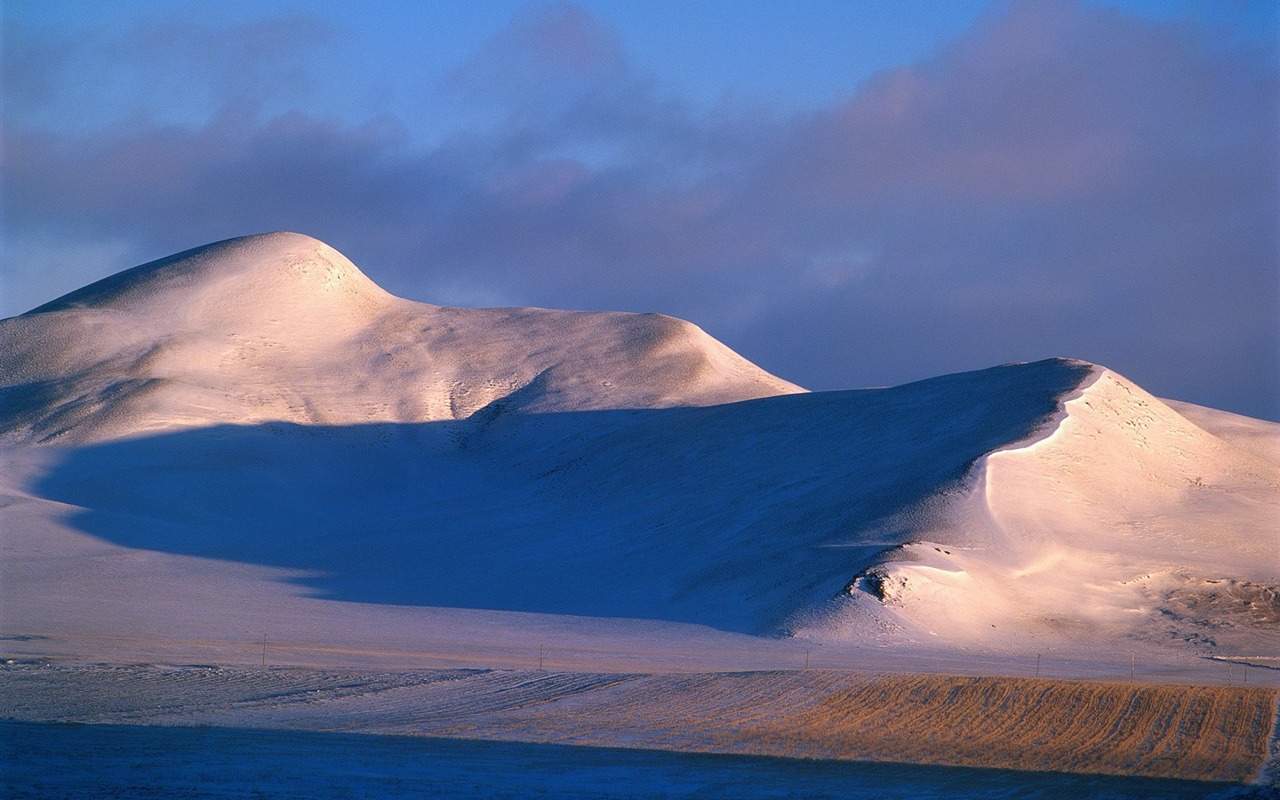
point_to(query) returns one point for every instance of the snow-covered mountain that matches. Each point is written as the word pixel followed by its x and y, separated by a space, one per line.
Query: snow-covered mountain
pixel 281 327
pixel 258 412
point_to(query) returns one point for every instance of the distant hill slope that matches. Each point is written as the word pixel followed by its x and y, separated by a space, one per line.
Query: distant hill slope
pixel 281 327
pixel 261 402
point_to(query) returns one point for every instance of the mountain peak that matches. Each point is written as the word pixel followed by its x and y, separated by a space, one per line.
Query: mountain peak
pixel 282 327
pixel 269 273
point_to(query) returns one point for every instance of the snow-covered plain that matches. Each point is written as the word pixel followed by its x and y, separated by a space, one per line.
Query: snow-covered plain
pixel 249 453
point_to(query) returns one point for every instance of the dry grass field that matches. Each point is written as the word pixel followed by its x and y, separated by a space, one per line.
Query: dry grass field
pixel 1206 733
pixel 1211 733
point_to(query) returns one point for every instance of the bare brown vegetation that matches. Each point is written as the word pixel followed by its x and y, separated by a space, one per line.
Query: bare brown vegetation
pixel 1227 602
pixel 1205 733
pixel 1197 732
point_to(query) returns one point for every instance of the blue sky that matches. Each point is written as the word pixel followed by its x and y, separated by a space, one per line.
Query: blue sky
pixel 848 193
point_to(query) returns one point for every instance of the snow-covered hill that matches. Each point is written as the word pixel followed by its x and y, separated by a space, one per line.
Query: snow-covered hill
pixel 1123 519
pixel 281 327
pixel 252 434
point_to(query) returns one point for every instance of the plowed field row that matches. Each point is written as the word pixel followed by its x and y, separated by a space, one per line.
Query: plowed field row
pixel 1218 733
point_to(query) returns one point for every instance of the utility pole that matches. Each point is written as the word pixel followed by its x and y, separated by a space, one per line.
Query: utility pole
pixel 1133 664
pixel 806 659
pixel 1037 665
pixel 264 649
pixel 540 651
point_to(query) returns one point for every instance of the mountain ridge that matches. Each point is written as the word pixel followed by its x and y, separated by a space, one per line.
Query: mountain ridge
pixel 259 402
pixel 283 327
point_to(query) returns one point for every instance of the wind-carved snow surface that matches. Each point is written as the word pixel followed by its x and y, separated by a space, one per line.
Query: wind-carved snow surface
pixel 1122 521
pixel 252 438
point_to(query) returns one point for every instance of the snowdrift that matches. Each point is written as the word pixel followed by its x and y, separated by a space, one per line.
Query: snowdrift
pixel 261 405
pixel 1125 519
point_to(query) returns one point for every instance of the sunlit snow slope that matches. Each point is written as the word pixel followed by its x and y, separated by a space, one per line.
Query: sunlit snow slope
pixel 260 404
pixel 283 327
